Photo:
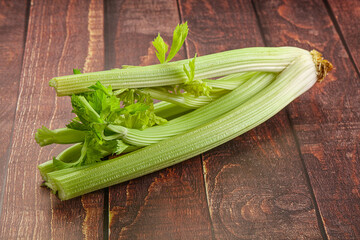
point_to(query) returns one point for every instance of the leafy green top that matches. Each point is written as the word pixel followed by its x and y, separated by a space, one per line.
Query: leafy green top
pixel 179 36
pixel 95 110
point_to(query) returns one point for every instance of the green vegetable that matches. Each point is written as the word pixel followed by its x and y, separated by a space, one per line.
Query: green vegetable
pixel 298 77
pixel 137 138
pixel 209 66
pixel 116 114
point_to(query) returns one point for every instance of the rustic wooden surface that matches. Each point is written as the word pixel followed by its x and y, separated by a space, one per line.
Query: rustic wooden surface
pixel 12 39
pixel 60 35
pixel 247 179
pixel 326 119
pixel 297 176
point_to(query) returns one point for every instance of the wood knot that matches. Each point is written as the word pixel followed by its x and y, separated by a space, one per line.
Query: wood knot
pixel 293 202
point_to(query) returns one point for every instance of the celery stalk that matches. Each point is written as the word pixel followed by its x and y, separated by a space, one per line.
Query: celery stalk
pixel 264 59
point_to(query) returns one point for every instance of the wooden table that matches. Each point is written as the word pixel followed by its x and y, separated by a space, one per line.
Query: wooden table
pixel 297 176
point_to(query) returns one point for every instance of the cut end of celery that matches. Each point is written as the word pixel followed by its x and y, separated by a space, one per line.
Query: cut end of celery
pixel 43 136
pixel 50 186
pixel 323 66
pixel 53 83
pixel 62 196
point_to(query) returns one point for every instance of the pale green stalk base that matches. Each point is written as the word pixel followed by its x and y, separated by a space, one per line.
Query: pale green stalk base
pixel 298 77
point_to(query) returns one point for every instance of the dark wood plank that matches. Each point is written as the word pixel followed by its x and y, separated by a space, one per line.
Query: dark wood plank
pixel 61 35
pixel 12 34
pixel 326 119
pixel 347 14
pixel 171 203
pixel 256 184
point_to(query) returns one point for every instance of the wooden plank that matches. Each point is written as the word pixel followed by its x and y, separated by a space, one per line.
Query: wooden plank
pixel 169 204
pixel 326 119
pixel 61 35
pixel 347 14
pixel 12 34
pixel 256 184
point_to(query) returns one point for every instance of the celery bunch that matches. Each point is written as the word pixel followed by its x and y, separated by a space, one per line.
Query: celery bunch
pixel 205 102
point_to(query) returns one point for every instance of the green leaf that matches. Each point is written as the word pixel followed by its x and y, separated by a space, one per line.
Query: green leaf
pixel 97 130
pixel 128 96
pixel 84 110
pixel 131 96
pixel 161 48
pixel 179 35
pixel 99 86
pixel 94 151
pixel 190 74
pixel 77 125
pixel 115 146
pixel 136 107
pixel 197 88
pixel 192 86
pixel 77 71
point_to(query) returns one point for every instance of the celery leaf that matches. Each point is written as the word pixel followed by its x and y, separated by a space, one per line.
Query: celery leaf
pixel 190 74
pixel 83 109
pixel 179 35
pixel 77 71
pixel 161 48
pixel 193 86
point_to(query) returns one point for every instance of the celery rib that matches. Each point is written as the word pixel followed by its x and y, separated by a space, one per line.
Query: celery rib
pixel 208 66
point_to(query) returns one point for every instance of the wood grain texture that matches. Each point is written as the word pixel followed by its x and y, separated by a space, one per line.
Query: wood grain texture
pixel 61 35
pixel 12 34
pixel 256 184
pixel 347 14
pixel 169 204
pixel 327 118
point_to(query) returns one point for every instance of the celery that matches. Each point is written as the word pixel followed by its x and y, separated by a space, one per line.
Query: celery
pixel 264 59
pixel 246 89
pixel 248 86
pixel 298 77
